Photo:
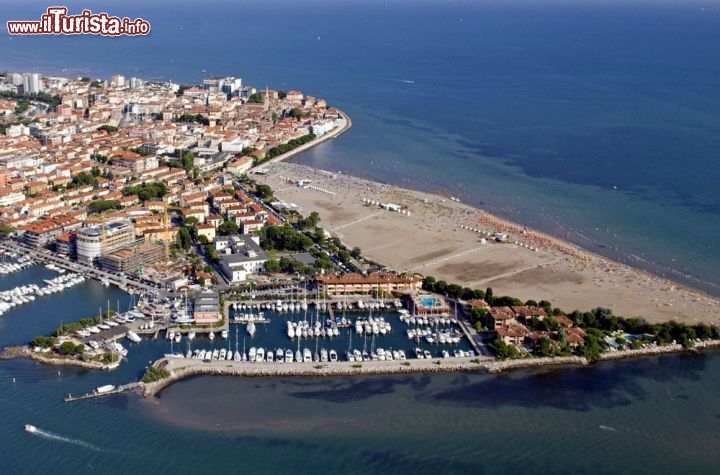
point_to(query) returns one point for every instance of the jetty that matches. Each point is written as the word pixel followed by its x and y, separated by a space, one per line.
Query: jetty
pixel 104 392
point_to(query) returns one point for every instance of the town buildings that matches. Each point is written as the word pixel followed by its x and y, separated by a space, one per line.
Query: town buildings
pixel 240 256
pixel 374 282
pixel 92 242
pixel 80 168
pixel 206 310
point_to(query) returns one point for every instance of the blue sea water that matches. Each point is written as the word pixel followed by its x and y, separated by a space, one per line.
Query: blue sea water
pixel 595 121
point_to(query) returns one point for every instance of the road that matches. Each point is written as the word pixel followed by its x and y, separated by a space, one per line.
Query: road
pixel 42 254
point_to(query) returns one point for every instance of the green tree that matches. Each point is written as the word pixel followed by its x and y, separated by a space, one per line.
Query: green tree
pixel 264 192
pixel 256 98
pixel 503 350
pixel 100 206
pixel 6 230
pixel 272 266
pixel 228 228
pixel 284 238
pixel 83 179
pixel 489 295
pixel 184 240
pixel 70 348
pixel 147 191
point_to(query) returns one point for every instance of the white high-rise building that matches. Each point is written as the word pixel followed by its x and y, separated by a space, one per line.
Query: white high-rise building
pixel 32 83
pixel 17 79
pixel 118 81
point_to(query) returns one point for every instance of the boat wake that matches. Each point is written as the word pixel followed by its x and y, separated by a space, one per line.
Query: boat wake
pixel 404 81
pixel 611 429
pixel 53 436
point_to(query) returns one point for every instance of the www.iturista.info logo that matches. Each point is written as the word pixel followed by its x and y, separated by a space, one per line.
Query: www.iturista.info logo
pixel 56 21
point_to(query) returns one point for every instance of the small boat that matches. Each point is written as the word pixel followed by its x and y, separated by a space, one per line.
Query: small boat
pixel 191 335
pixel 333 355
pixel 30 428
pixel 211 335
pixel 132 336
pixel 224 334
pixel 288 356
pixel 260 354
pixel 251 329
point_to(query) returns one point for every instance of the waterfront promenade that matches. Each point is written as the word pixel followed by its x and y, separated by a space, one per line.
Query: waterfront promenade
pixel 43 255
pixel 336 132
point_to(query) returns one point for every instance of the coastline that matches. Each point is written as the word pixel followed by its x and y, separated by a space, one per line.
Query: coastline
pixel 446 242
pixel 338 131
pixel 24 352
pixel 180 368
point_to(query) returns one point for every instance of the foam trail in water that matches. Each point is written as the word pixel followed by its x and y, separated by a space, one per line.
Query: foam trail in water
pixel 59 438
pixel 612 429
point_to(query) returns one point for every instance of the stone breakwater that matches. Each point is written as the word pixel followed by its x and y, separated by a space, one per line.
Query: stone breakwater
pixel 180 368
pixel 658 350
pixel 504 365
pixel 22 352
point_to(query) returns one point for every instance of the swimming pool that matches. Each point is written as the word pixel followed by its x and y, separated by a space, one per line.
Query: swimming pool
pixel 428 301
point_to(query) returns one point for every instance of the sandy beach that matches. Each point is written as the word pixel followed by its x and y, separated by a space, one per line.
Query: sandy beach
pixel 443 238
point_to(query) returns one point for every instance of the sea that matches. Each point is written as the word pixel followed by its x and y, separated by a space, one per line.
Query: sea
pixel 594 121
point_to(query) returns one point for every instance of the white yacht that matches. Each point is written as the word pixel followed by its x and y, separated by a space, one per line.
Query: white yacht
pixel 132 336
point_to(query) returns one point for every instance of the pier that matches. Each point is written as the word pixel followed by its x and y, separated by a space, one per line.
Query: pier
pixel 118 390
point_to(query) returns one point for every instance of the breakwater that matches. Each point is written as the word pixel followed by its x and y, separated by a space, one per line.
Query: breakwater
pixel 24 352
pixel 181 368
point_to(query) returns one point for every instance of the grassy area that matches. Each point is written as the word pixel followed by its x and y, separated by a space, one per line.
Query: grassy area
pixel 155 374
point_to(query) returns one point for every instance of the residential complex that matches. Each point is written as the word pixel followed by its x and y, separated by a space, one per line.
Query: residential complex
pixel 110 171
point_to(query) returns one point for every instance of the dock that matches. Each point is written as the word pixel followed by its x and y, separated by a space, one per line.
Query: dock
pixel 119 389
